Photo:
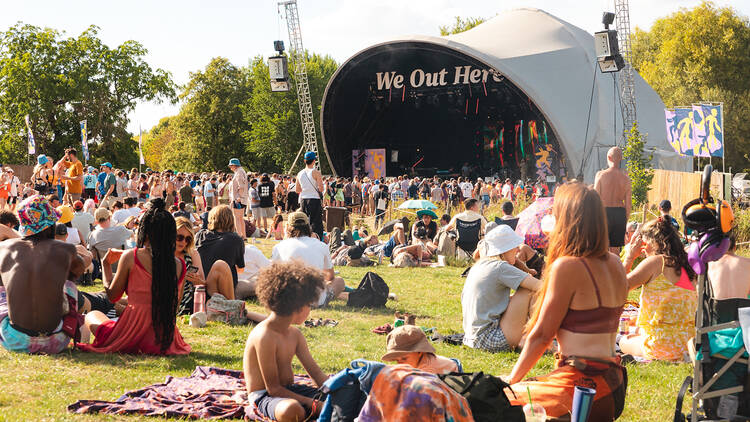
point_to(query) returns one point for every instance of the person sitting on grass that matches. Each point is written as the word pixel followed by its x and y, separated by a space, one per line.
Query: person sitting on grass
pixel 730 275
pixel 409 345
pixel 580 304
pixel 35 298
pixel 493 320
pixel 220 242
pixel 424 231
pixel 666 319
pixel 152 277
pixel 8 221
pixel 277 228
pixel 287 290
pixel 314 253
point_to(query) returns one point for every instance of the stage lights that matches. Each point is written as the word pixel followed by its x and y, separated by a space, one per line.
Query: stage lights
pixel 607 49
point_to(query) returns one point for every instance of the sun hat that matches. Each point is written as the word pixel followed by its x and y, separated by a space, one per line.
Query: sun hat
pixel 36 214
pixel 106 164
pixel 77 205
pixel 501 240
pixel 234 162
pixel 41 159
pixel 310 155
pixel 66 214
pixel 298 218
pixel 406 339
pixel 102 214
pixel 431 213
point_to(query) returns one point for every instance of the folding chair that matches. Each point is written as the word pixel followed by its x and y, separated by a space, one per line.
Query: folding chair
pixel 468 235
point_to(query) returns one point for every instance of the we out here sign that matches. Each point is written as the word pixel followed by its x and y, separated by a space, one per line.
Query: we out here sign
pixel 459 75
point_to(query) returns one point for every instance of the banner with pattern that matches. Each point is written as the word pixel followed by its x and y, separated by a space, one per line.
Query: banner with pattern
pixel 84 139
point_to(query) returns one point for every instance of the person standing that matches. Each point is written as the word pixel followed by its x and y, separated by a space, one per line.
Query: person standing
pixel 309 188
pixel 73 177
pixel 109 186
pixel 613 186
pixel 238 196
pixel 13 192
pixel 266 192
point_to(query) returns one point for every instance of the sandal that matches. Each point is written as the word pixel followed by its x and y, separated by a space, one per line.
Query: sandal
pixel 321 323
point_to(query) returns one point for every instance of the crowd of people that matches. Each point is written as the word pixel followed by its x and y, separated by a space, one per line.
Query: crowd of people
pixel 158 240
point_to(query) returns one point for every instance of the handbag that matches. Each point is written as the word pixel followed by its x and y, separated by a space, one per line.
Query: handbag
pixel 228 311
pixel 320 194
pixel 485 395
pixel 72 321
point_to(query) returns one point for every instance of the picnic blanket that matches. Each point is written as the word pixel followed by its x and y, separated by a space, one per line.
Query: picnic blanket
pixel 208 393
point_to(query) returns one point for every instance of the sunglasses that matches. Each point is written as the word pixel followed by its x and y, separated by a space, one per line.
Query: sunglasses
pixel 186 239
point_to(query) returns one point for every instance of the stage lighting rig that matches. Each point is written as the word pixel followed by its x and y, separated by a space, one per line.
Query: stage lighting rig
pixel 278 69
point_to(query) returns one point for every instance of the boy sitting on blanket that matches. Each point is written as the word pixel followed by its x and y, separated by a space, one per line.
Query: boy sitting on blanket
pixel 287 289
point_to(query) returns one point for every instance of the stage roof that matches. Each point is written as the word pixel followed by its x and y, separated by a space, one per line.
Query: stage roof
pixel 554 64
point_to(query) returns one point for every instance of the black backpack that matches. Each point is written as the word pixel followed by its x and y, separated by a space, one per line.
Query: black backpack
pixel 486 396
pixel 372 292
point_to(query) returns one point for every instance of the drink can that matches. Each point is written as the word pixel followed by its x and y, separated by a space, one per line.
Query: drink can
pixel 624 325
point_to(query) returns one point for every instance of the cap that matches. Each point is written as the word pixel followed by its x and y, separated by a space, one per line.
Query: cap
pixel 66 214
pixel 36 214
pixel 91 168
pixel 310 155
pixel 106 164
pixel 234 162
pixel 77 205
pixel 406 339
pixel 298 218
pixel 665 205
pixel 41 159
pixel 102 214
pixel 502 239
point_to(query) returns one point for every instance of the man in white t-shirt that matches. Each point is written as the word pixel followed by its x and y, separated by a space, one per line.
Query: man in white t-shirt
pixel 14 184
pixel 298 245
pixel 254 262
pixel 507 191
pixel 466 188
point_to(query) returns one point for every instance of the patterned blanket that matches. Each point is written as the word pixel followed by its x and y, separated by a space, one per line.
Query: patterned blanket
pixel 208 393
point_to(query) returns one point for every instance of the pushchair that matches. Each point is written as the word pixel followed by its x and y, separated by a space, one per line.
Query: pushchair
pixel 720 385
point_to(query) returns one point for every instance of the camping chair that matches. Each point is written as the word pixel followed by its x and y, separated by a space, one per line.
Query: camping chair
pixel 468 235
pixel 720 378
pixel 511 222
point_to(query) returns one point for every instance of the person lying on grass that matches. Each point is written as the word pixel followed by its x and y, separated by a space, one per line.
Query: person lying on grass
pixel 287 289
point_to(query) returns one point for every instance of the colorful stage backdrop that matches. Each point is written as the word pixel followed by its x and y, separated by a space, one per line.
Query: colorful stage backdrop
pixel 696 131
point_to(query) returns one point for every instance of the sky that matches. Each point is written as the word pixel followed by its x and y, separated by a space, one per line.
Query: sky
pixel 183 36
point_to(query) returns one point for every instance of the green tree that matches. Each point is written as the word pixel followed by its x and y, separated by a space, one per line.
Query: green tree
pixel 156 141
pixel 275 135
pixel 638 166
pixel 60 81
pixel 461 25
pixel 209 127
pixel 702 55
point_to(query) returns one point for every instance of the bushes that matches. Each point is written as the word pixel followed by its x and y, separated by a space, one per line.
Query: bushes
pixel 742 225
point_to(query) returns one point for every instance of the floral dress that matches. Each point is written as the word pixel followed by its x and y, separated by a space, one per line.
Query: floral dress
pixel 666 319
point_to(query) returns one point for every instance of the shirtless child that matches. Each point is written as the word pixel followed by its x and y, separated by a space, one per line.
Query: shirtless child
pixel 287 289
pixel 730 275
pixel 34 274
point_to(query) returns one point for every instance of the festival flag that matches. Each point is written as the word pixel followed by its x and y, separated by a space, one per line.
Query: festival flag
pixel 708 134
pixel 32 144
pixel 140 145
pixel 84 139
pixel 671 120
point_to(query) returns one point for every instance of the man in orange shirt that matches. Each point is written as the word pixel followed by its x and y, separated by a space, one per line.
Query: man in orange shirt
pixel 73 177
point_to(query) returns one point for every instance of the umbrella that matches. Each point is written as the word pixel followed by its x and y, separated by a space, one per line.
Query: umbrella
pixel 388 227
pixel 417 204
pixel 530 223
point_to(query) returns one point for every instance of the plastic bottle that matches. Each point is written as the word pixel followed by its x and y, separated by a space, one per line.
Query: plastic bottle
pixel 199 299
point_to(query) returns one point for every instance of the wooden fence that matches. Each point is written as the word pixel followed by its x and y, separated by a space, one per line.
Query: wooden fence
pixel 22 172
pixel 681 187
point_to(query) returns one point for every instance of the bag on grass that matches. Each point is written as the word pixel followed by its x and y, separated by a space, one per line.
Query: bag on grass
pixel 372 292
pixel 486 396
pixel 228 311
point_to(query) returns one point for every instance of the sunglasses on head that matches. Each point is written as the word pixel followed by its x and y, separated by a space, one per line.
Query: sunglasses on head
pixel 184 238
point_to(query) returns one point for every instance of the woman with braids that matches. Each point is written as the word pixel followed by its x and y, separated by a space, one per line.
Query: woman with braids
pixel 666 319
pixel 580 303
pixel 150 274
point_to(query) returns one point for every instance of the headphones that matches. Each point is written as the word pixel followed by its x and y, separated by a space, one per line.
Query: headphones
pixel 712 221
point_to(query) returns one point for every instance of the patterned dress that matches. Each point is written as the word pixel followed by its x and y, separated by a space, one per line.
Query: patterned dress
pixel 666 319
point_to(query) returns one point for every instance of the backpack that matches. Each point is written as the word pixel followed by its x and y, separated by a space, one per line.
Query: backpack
pixel 228 311
pixel 372 292
pixel 446 244
pixel 486 396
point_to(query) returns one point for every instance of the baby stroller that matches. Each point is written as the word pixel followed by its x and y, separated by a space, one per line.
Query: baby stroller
pixel 720 385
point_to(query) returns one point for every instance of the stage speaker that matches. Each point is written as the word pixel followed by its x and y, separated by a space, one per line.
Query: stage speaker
pixel 394 156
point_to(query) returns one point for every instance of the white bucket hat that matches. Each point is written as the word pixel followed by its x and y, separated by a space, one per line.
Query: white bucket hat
pixel 501 239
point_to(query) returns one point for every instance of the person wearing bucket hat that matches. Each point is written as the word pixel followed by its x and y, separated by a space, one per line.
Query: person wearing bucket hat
pixel 34 271
pixel 309 189
pixel 493 320
pixel 409 345
pixel 425 229
pixel 238 196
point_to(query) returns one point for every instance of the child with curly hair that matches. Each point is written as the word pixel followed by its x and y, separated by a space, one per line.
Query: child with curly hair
pixel 287 289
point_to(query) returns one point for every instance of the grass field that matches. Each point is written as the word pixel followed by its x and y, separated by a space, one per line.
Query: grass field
pixel 40 387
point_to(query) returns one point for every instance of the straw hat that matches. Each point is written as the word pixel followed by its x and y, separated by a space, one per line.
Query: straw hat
pixel 406 339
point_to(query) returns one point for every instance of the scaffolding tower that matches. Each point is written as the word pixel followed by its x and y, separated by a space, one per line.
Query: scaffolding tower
pixel 627 88
pixel 297 55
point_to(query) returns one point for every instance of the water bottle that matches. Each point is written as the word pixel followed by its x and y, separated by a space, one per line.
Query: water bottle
pixel 199 299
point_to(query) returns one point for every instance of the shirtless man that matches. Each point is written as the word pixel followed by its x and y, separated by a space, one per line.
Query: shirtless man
pixel 613 186
pixel 730 275
pixel 33 282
